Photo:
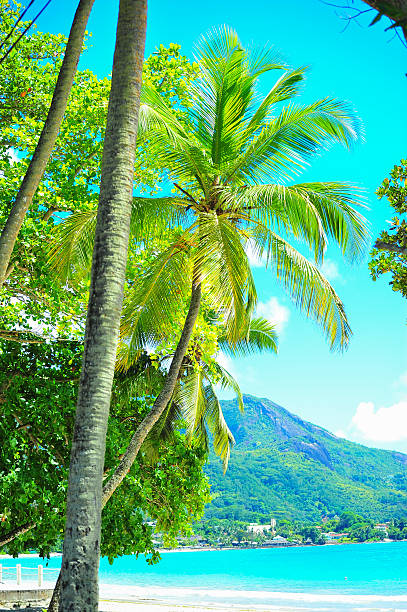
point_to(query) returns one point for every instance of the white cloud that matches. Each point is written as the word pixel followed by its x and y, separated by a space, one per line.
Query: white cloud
pixel 386 424
pixel 330 269
pixel 254 260
pixel 226 362
pixel 274 312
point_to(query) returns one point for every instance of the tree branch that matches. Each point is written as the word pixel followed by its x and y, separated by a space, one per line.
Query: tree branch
pixel 389 246
pixel 11 535
pixel 28 337
pixel 35 440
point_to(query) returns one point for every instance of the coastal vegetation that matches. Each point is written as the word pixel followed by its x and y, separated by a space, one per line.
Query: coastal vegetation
pixel 346 528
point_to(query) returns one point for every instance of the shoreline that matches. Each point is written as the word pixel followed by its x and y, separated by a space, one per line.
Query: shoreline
pixel 267 547
pixel 189 549
pixel 127 598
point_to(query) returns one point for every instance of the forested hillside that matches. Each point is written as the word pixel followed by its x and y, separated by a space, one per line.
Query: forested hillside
pixel 288 468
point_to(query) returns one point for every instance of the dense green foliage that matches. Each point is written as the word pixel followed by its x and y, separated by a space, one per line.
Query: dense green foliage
pixel 284 467
pixel 38 385
pixel 390 253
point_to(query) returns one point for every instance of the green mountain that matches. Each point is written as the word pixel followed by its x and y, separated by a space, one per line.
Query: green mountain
pixel 285 467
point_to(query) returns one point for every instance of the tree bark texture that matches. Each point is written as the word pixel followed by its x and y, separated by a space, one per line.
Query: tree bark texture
pixel 48 136
pixel 146 425
pixel 80 561
pixel 53 605
pixel 11 535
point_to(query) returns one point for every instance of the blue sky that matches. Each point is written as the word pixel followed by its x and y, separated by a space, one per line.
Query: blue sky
pixel 363 392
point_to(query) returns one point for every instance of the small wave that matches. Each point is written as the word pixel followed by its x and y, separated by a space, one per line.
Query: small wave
pixel 229 594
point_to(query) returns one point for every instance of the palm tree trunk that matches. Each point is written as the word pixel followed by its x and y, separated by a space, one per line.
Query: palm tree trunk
pixel 162 400
pixel 80 561
pixel 48 136
pixel 146 425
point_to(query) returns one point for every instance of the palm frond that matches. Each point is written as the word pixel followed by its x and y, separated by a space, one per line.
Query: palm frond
pixel 311 292
pixel 335 204
pixel 152 218
pixel 213 416
pixel 264 59
pixel 175 147
pixel 70 252
pixel 278 207
pixel 162 432
pixel 225 380
pixel 223 93
pixel 154 299
pixel 141 378
pixel 201 409
pixel 260 335
pixel 156 113
pixel 226 90
pixel 285 88
pixel 71 249
pixel 286 143
pixel 225 271
pixel 189 398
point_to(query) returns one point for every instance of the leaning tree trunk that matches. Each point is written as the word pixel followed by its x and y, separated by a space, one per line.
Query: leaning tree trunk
pixel 162 400
pixel 48 137
pixel 148 422
pixel 80 561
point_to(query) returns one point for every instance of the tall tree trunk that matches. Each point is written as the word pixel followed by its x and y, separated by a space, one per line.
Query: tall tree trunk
pixel 48 136
pixel 11 535
pixel 80 561
pixel 146 425
pixel 53 605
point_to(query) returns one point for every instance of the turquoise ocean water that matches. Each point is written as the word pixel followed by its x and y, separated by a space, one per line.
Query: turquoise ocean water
pixel 348 577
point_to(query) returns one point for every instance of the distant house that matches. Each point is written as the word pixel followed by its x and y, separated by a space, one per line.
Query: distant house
pixel 331 536
pixel 280 541
pixel 383 527
pixel 257 528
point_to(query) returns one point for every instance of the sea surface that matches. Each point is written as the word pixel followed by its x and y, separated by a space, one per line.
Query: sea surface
pixel 322 578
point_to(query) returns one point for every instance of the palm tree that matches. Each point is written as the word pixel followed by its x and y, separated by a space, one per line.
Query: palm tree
pixel 80 561
pixel 231 162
